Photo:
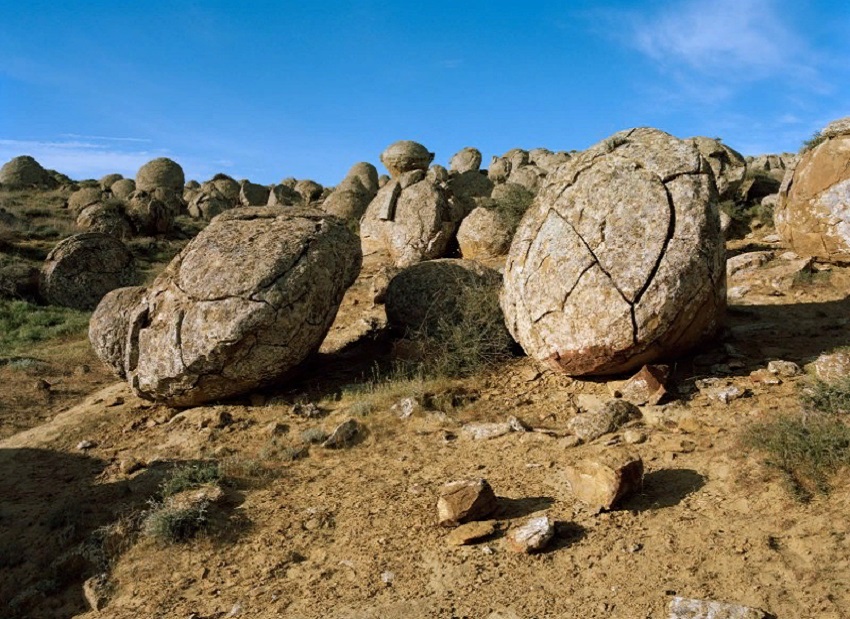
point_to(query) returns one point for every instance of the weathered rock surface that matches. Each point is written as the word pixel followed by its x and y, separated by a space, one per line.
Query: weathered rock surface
pixel 614 414
pixel 529 176
pixel 105 217
pixel 405 156
pixel 252 194
pixel 148 214
pixel 24 172
pixel 465 160
pixel 160 172
pixel 499 170
pixel 367 174
pixel 546 159
pixel 533 536
pixel 727 164
pixel 410 224
pixel 83 197
pixel 813 209
pixel 122 189
pixel 247 300
pixel 420 296
pixel 107 181
pixel 833 367
pixel 685 608
pixel 110 325
pixel 648 386
pixel 620 260
pixel 465 500
pixel 310 191
pixel 484 233
pixel 283 195
pixel 602 481
pixel 472 532
pixel 81 269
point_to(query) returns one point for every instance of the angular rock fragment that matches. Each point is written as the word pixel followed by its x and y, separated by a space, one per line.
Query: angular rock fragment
pixel 472 532
pixel 465 500
pixel 343 435
pixel 533 536
pixel 613 415
pixel 602 481
pixel 647 386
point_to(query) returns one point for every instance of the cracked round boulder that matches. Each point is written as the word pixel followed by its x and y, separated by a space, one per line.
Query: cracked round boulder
pixel 247 300
pixel 620 259
pixel 813 209
pixel 80 270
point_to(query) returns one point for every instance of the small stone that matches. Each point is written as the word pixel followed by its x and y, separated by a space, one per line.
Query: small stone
pixel 634 437
pixel 343 434
pixel 406 407
pixel 518 425
pixel 786 369
pixel 276 428
pixel 472 532
pixel 726 394
pixel 614 414
pixel 86 444
pixel 533 536
pixel 765 377
pixel 308 410
pixel 603 481
pixel 116 401
pixel 772 238
pixel 570 441
pixel 96 591
pixel 685 608
pixel 833 367
pixel 465 500
pixel 647 386
pixel 387 577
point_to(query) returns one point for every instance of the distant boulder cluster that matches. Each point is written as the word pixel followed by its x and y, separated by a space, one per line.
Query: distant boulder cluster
pixel 602 260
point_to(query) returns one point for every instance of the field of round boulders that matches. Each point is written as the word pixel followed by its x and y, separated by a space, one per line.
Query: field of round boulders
pixel 438 389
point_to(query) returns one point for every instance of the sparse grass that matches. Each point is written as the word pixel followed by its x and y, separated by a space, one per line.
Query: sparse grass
pixel 807 450
pixel 830 398
pixel 189 476
pixel 23 324
pixel 812 142
pixel 171 524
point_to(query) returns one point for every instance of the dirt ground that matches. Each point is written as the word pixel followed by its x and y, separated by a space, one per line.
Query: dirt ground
pixel 352 533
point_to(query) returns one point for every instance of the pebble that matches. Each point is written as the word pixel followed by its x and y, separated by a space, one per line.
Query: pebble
pixel 86 444
pixel 634 437
pixel 786 369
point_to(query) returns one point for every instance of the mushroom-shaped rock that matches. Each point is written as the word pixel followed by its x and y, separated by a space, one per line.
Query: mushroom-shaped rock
pixel 424 295
pixel 813 209
pixel 110 324
pixel 466 160
pixel 23 172
pixel 83 268
pixel 404 156
pixel 484 233
pixel 246 301
pixel 252 194
pixel 122 188
pixel 411 224
pixel 106 217
pixel 86 196
pixel 728 165
pixel 160 172
pixel 148 214
pixel 620 260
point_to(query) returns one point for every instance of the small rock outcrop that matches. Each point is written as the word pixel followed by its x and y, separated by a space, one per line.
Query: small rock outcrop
pixel 813 210
pixel 81 269
pixel 620 260
pixel 228 315
pixel 406 156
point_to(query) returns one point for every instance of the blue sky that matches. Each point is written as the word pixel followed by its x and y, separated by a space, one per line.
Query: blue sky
pixel 266 90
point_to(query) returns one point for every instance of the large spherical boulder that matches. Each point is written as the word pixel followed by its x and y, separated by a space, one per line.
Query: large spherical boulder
pixel 84 197
pixel 107 181
pixel 410 223
pixel 348 202
pixel 246 301
pixel 485 233
pixel 813 209
pixel 405 156
pixel 109 326
pixel 620 260
pixel 161 172
pixel 24 172
pixel 727 164
pixel 466 160
pixel 83 268
pixel 106 217
pixel 367 174
pixel 122 189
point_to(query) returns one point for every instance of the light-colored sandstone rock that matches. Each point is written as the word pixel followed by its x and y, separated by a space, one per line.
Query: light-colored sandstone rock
pixel 81 269
pixel 228 315
pixel 620 260
pixel 123 188
pixel 530 176
pixel 727 164
pixel 749 260
pixel 465 500
pixel 465 160
pixel 484 233
pixel 84 197
pixel 105 217
pixel 499 170
pixel 833 367
pixel 148 214
pixel 472 532
pixel 310 191
pixel 404 156
pixel 343 435
pixel 110 325
pixel 533 536
pixel 648 386
pixel 252 194
pixel 602 481
pixel 208 203
pixel 283 195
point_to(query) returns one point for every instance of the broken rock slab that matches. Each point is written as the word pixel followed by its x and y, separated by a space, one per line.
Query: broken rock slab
pixel 685 608
pixel 465 500
pixel 648 386
pixel 472 532
pixel 602 481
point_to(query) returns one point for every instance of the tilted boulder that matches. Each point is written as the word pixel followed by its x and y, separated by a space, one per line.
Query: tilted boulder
pixel 405 156
pixel 465 160
pixel 81 269
pixel 410 223
pixel 246 301
pixel 106 217
pixel 620 260
pixel 160 172
pixel 727 164
pixel 110 324
pixel 252 194
pixel 813 209
pixel 24 172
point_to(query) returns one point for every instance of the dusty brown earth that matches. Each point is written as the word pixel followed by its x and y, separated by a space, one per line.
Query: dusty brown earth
pixel 352 533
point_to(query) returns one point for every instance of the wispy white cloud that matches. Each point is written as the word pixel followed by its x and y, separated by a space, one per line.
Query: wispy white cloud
pixel 102 138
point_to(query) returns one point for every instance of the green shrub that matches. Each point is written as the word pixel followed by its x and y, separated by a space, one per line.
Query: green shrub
pixel 172 524
pixel 189 476
pixel 812 142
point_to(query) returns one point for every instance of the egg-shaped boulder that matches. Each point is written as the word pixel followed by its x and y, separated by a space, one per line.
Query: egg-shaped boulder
pixel 620 260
